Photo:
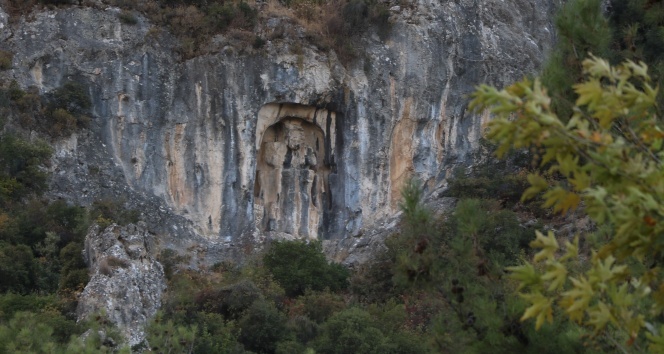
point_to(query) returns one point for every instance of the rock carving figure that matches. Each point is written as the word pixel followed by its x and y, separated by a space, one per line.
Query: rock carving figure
pixel 291 178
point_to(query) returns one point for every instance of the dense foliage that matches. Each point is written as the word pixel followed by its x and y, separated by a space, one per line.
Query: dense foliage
pixel 607 156
pixel 299 267
pixel 616 30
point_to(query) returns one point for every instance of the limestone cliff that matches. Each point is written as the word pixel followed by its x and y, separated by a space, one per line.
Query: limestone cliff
pixel 126 282
pixel 244 142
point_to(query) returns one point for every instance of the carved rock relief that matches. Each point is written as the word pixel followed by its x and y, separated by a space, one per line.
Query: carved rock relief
pixel 291 178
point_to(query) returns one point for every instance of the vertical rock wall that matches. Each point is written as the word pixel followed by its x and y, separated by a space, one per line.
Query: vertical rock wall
pixel 192 133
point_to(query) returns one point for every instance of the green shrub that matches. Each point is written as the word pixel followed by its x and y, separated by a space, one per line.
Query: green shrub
pixel 220 16
pixel 66 110
pixel 63 122
pixel 18 268
pixel 298 266
pixel 290 347
pixel 216 335
pixel 351 331
pixel 6 60
pixel 170 260
pixel 26 333
pixel 72 97
pixel 262 327
pixel 11 303
pixel 453 269
pixel 304 328
pixel 165 336
pixel 230 301
pixel 113 211
pixel 127 17
pixel 372 282
pixel 22 161
pixel 319 306
pixel 74 274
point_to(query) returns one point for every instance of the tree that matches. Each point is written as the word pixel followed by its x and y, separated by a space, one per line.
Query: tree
pixel 298 266
pixel 616 30
pixel 582 28
pixel 608 159
pixel 262 327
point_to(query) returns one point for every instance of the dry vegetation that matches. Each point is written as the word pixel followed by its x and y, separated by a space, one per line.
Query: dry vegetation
pixel 327 24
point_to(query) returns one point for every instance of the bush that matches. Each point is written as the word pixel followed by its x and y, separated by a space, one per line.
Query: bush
pixel 290 347
pixel 18 268
pixel 22 162
pixel 319 306
pixel 230 301
pixel 113 211
pixel 72 97
pixel 351 331
pixel 127 17
pixel 165 336
pixel 26 333
pixel 216 335
pixel 305 329
pixel 262 327
pixel 5 60
pixel 222 17
pixel 298 266
pixel 64 123
pixel 74 274
pixel 258 42
pixel 11 303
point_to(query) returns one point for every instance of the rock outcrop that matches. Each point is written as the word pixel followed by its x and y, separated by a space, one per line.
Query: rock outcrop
pixel 126 281
pixel 242 142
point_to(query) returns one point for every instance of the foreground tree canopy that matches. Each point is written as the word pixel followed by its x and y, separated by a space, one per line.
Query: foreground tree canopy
pixel 607 159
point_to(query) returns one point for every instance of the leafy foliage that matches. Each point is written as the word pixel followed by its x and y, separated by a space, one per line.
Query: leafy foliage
pixel 582 28
pixel 607 156
pixel 21 167
pixel 300 266
pixel 262 327
pixel 451 271
pixel 617 30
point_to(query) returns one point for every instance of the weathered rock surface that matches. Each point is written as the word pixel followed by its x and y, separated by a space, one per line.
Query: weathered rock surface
pixel 243 142
pixel 126 281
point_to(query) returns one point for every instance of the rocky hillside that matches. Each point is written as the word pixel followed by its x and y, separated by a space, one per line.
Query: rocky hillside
pixel 277 138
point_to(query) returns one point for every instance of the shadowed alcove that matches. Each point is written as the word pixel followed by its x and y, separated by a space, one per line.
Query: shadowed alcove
pixel 293 162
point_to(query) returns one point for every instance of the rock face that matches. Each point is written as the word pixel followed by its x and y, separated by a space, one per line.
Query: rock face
pixel 244 141
pixel 126 281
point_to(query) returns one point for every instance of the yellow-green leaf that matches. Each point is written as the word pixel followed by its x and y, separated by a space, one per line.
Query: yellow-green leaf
pixel 540 309
pixel 548 244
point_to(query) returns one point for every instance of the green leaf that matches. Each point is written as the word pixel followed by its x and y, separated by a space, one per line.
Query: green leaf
pixel 548 244
pixel 537 184
pixel 526 275
pixel 576 301
pixel 557 274
pixel 540 309
pixel 600 315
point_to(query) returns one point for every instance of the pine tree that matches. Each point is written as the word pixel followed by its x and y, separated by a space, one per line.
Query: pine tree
pixel 618 30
